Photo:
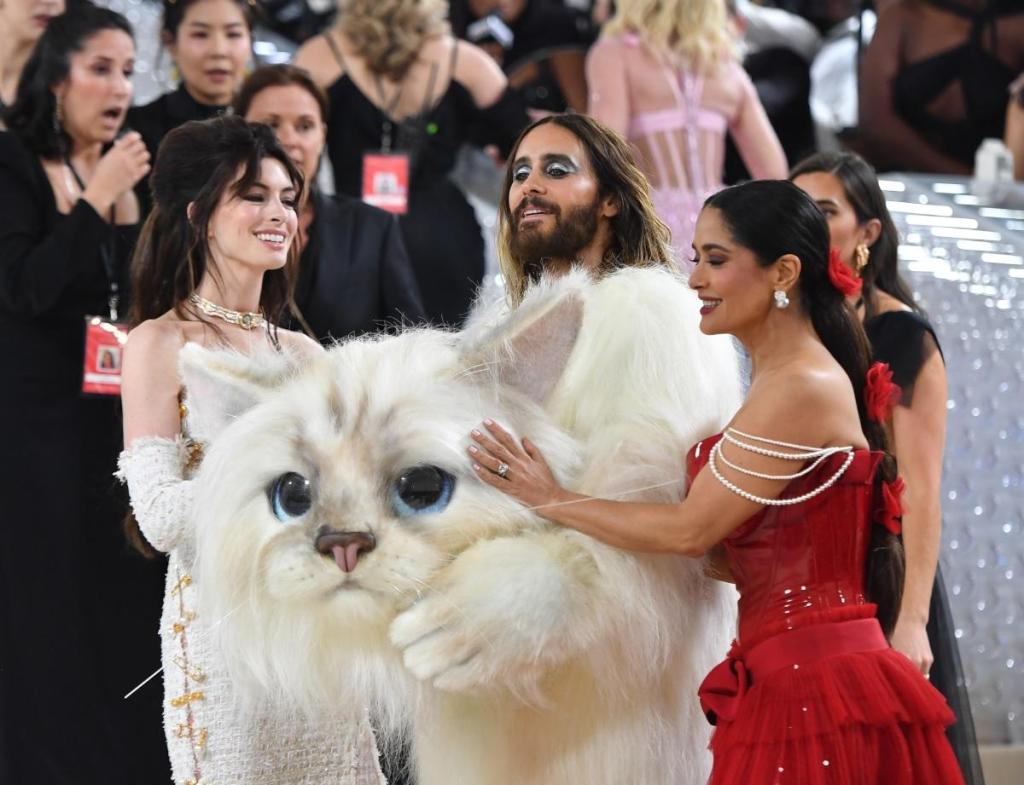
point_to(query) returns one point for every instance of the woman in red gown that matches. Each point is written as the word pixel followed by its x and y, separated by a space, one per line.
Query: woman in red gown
pixel 799 500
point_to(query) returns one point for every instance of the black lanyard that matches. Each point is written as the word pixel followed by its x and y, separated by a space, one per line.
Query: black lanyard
pixel 108 251
pixel 387 110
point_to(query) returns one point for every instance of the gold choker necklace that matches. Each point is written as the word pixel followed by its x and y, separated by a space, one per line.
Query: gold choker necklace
pixel 244 319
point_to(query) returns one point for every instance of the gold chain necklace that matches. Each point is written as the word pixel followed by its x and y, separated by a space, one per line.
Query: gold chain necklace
pixel 244 319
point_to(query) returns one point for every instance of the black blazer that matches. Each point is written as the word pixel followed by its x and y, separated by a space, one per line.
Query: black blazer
pixel 354 274
pixel 51 265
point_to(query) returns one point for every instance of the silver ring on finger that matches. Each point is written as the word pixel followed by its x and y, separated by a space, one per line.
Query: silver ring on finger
pixel 502 470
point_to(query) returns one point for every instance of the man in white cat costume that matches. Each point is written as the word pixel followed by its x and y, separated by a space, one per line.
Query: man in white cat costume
pixel 355 557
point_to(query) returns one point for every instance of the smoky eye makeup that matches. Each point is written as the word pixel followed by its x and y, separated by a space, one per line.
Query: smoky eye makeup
pixel 559 165
pixel 554 165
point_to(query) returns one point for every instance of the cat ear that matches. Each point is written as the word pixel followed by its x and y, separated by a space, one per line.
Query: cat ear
pixel 530 349
pixel 222 384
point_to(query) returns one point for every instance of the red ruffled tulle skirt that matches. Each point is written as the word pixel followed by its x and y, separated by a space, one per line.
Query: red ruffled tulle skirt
pixel 864 718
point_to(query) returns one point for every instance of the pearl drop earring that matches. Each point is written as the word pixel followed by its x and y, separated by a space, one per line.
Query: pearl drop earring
pixel 781 299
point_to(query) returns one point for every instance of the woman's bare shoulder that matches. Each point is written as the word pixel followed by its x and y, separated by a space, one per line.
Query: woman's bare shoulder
pixel 885 303
pixel 804 403
pixel 160 334
pixel 478 73
pixel 316 57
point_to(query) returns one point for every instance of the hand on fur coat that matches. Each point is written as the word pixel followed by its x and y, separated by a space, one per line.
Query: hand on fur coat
pixel 526 476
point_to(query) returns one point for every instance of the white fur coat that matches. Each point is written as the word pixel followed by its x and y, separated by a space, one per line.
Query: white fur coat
pixel 516 651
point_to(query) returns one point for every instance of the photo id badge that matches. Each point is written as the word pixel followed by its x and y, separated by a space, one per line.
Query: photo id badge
pixel 386 181
pixel 104 345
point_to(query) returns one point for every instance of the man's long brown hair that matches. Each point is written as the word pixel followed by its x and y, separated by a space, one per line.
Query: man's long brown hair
pixel 639 237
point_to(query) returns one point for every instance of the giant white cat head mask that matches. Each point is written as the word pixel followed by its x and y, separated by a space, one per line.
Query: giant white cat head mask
pixel 329 499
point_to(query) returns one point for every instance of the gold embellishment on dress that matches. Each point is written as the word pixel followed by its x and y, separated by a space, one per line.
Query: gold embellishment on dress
pixel 185 731
pixel 194 672
pixel 183 581
pixel 187 698
pixel 181 624
pixel 193 675
pixel 193 455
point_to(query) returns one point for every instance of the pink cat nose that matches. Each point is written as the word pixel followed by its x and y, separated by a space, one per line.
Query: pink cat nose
pixel 345 547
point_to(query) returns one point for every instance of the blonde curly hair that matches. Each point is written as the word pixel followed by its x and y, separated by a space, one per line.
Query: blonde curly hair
pixel 698 32
pixel 388 34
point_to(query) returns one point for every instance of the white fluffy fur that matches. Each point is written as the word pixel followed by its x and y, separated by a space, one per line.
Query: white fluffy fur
pixel 520 653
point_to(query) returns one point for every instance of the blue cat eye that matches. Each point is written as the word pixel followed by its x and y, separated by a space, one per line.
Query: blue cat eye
pixel 290 496
pixel 421 490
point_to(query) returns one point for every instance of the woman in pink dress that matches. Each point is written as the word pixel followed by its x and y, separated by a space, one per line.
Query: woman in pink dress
pixel 798 500
pixel 666 76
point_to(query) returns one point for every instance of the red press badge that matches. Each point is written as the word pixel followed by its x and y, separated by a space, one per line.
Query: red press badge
pixel 104 345
pixel 386 181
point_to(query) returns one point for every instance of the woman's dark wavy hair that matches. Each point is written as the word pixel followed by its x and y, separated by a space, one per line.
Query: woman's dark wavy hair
pixel 860 185
pixel 31 116
pixel 197 164
pixel 639 236
pixel 773 218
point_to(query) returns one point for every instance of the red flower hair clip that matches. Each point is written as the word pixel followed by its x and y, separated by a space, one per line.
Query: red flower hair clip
pixel 842 277
pixel 880 392
pixel 890 512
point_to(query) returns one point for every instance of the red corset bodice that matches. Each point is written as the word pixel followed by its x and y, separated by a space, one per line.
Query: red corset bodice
pixel 803 564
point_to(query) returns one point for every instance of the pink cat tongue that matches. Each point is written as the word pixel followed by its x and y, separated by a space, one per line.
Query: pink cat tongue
pixel 346 556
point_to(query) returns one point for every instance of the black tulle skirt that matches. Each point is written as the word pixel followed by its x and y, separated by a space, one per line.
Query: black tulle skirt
pixel 947 675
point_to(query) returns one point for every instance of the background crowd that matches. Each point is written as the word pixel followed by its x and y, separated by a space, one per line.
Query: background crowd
pixel 708 92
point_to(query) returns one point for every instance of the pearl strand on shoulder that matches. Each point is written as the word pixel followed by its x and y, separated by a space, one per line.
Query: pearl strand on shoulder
pixel 809 452
pixel 806 453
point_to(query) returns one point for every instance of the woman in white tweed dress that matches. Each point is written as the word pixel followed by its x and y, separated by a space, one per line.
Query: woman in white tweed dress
pixel 210 269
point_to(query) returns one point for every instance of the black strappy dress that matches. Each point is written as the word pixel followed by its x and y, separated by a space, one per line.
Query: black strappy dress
pixel 905 340
pixel 982 76
pixel 440 229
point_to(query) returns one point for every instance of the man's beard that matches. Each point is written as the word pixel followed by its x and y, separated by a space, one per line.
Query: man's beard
pixel 534 249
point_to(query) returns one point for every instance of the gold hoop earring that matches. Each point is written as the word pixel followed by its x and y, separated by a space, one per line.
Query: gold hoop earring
pixel 861 256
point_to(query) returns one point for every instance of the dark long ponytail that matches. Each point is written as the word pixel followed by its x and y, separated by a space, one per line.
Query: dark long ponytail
pixel 774 218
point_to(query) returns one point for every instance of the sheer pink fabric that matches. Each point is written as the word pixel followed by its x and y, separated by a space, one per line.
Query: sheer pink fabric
pixel 676 120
